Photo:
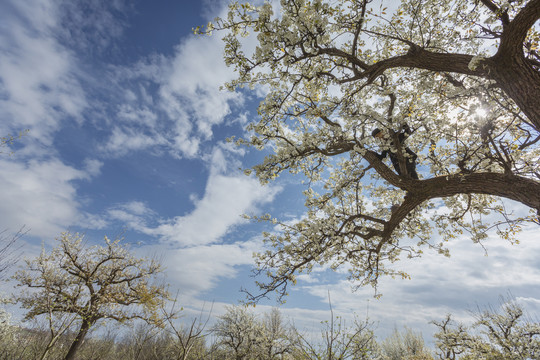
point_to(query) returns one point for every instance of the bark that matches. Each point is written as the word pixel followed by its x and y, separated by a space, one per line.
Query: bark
pixel 517 188
pixel 513 187
pixel 79 339
pixel 520 81
pixel 511 71
pixel 509 186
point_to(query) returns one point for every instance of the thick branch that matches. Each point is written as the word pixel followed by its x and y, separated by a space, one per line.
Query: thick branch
pixel 496 10
pixel 514 33
pixel 523 190
pixel 420 58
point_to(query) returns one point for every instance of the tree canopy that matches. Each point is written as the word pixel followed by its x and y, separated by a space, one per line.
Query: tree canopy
pixel 461 76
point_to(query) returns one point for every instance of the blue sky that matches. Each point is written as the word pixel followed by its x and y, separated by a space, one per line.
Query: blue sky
pixel 127 130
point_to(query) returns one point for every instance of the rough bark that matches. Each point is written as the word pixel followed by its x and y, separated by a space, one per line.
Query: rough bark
pixel 521 82
pixel 79 339
pixel 517 188
pixel 513 187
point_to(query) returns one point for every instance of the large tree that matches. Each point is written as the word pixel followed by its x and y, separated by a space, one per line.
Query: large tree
pixel 91 284
pixel 462 77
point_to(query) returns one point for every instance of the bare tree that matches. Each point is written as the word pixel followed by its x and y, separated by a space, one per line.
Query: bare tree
pixel 145 341
pixel 185 337
pixel 339 341
pixel 9 249
pixel 91 283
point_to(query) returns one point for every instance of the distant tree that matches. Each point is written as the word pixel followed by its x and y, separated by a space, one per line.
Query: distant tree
pixel 496 335
pixel 406 345
pixel 186 339
pixel 460 77
pixel 276 336
pixel 239 333
pixel 90 283
pixel 6 330
pixel 339 341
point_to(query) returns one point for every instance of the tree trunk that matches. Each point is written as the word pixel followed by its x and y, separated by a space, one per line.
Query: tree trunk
pixel 521 82
pixel 49 346
pixel 85 326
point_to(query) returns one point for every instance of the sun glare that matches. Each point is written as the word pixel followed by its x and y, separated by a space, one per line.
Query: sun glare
pixel 480 112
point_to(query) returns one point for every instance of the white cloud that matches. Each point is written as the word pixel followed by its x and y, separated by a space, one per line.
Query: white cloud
pixel 93 167
pixel 38 79
pixel 133 214
pixel 41 195
pixel 187 105
pixel 441 285
pixel 197 269
pixel 198 70
pixel 226 198
pixel 228 195
pixel 125 140
pixel 137 115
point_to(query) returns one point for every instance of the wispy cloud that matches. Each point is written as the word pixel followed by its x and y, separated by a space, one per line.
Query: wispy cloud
pixel 38 80
pixel 125 140
pixel 198 71
pixel 197 242
pixel 41 195
pixel 183 92
pixel 198 268
pixel 91 27
pixel 441 285
pixel 228 195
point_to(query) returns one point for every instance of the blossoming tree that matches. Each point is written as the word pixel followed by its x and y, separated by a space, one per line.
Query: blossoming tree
pixel 462 75
pixel 91 284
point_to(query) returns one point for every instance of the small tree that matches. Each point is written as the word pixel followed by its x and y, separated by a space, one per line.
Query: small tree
pixel 186 339
pixel 407 345
pixel 495 335
pixel 239 333
pixel 91 283
pixel 276 340
pixel 340 342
